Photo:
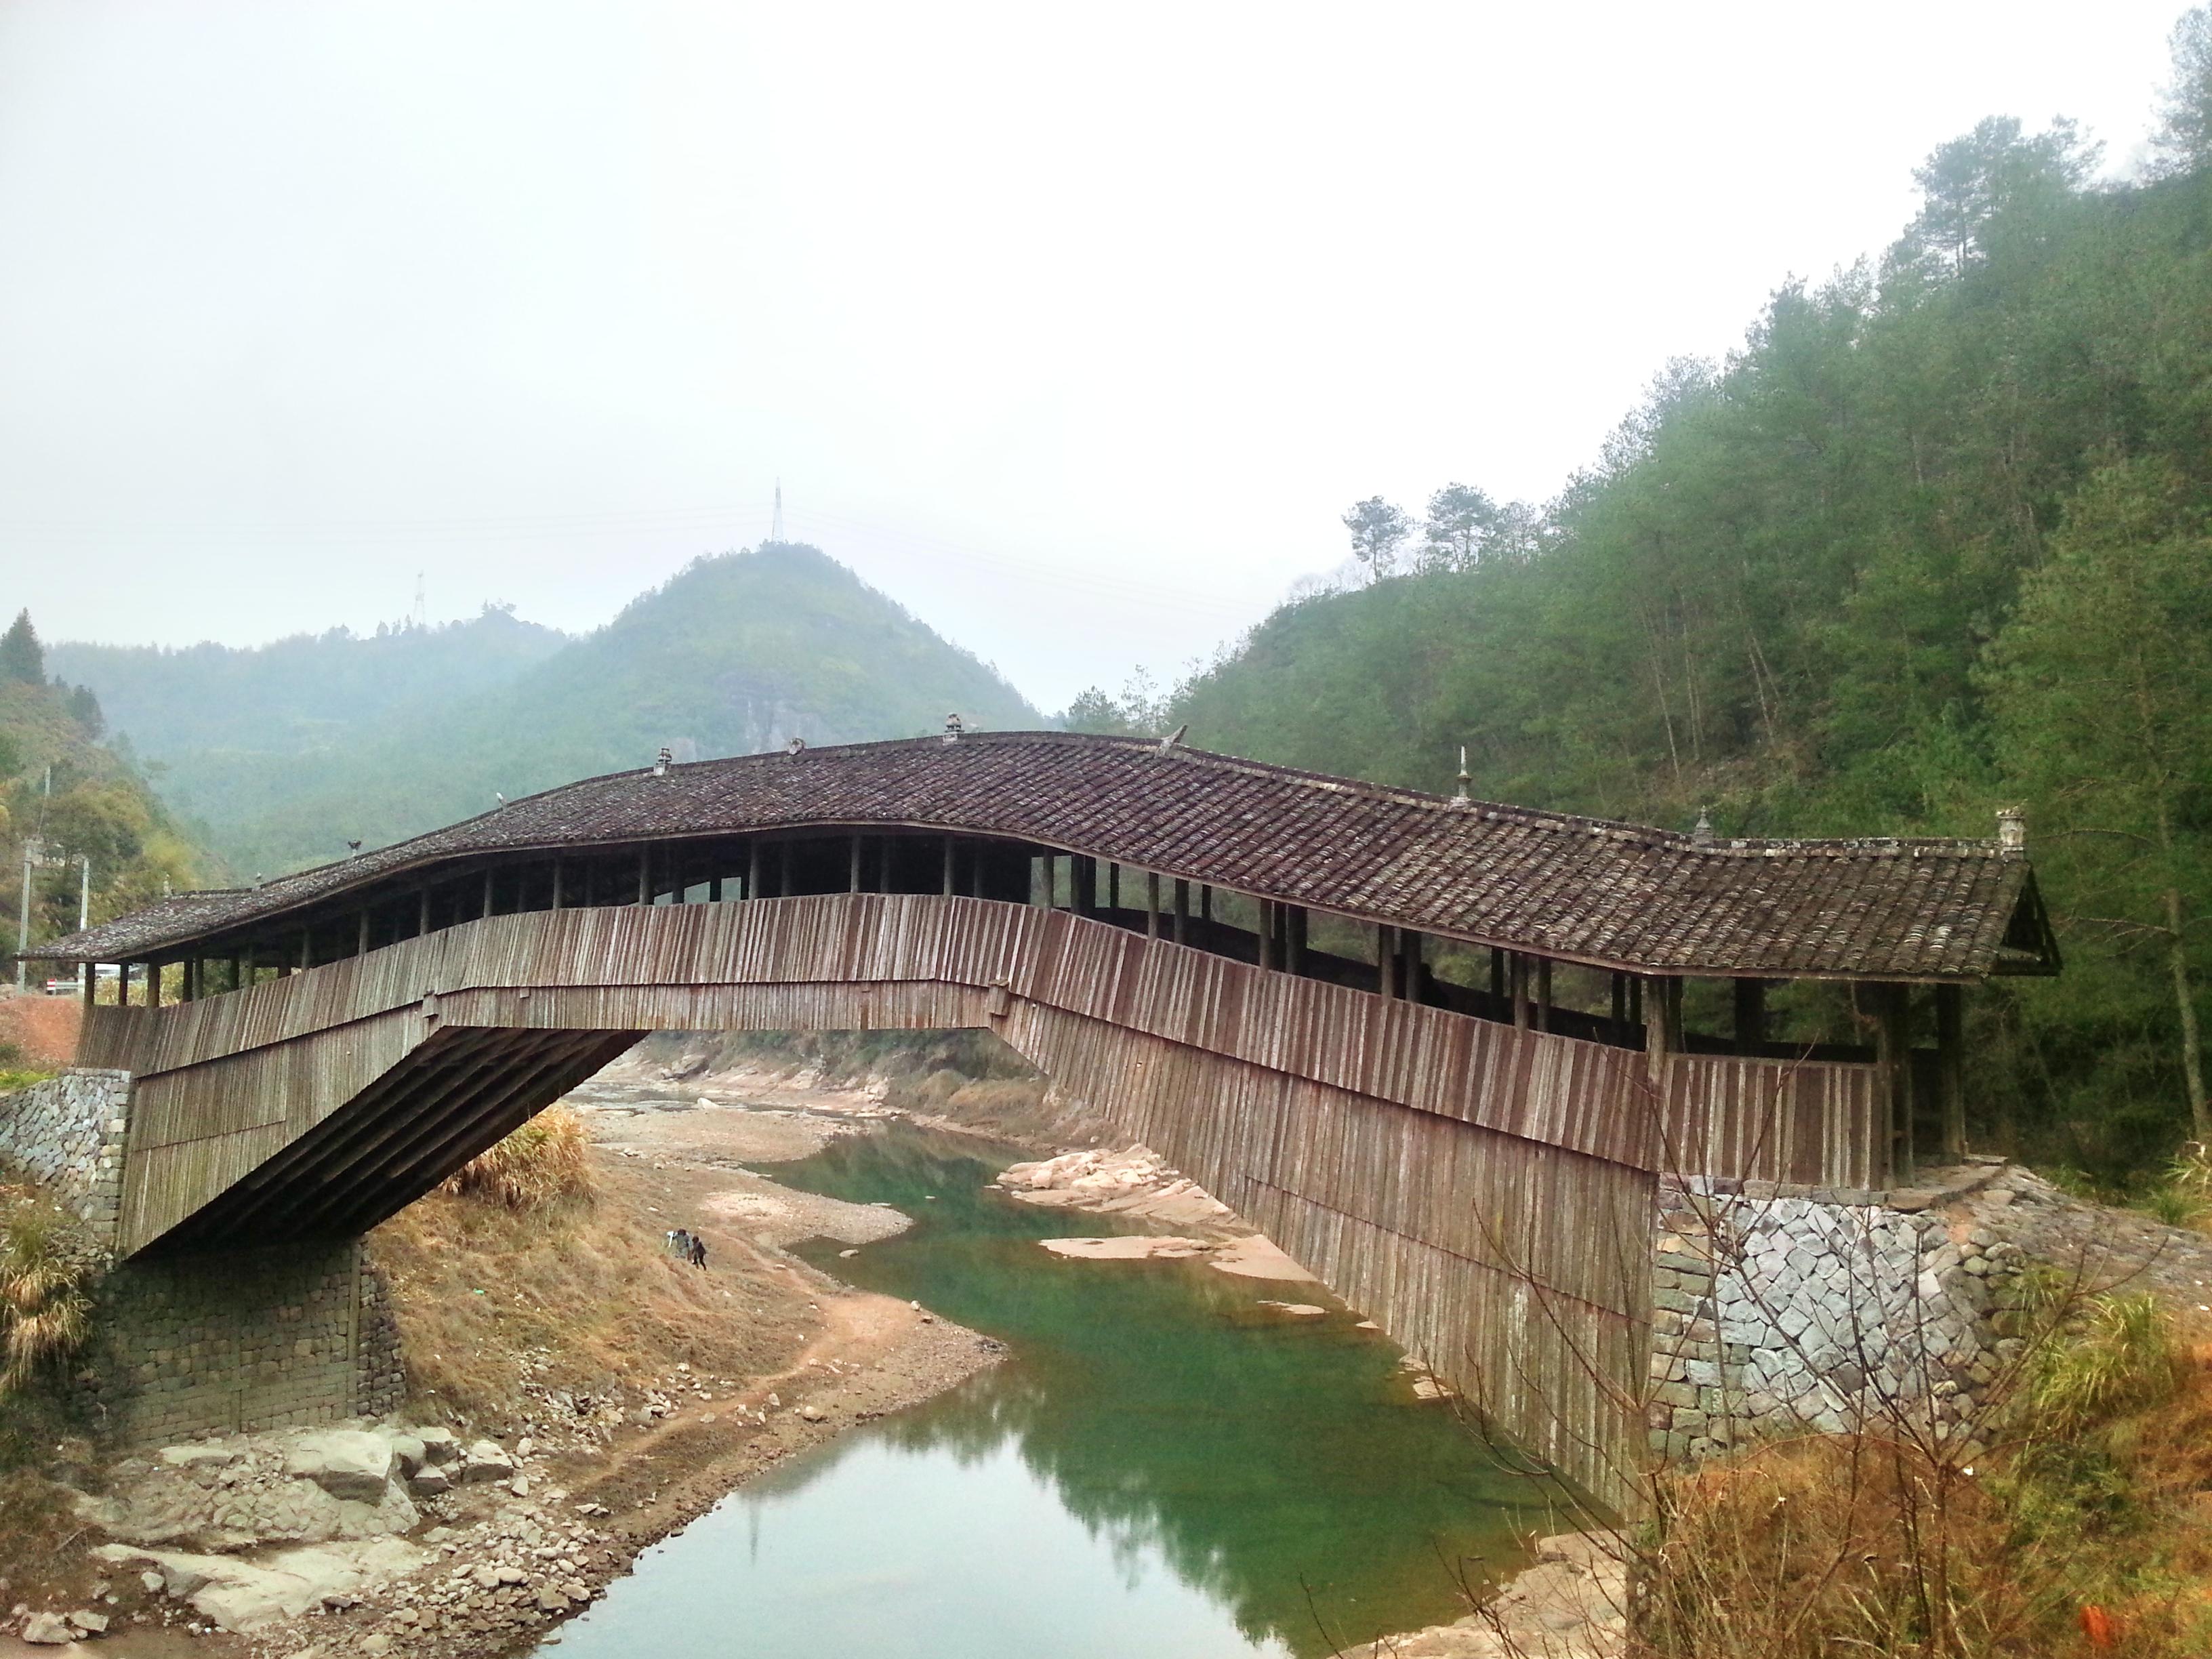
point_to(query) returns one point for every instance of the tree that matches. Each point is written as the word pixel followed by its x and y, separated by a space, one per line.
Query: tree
pixel 1378 530
pixel 1461 522
pixel 22 658
pixel 2184 139
pixel 2101 684
pixel 1971 183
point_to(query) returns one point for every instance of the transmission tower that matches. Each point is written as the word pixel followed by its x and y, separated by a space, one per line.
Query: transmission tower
pixel 775 524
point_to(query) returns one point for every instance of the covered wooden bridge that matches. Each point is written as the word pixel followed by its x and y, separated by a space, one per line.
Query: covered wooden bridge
pixel 1440 1048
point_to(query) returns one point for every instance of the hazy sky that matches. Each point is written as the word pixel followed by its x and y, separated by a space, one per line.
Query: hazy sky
pixel 1073 329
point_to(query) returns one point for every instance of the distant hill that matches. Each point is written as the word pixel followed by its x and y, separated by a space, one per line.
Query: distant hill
pixel 309 691
pixel 737 654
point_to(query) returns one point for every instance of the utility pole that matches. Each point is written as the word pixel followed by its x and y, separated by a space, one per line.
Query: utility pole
pixel 84 916
pixel 23 916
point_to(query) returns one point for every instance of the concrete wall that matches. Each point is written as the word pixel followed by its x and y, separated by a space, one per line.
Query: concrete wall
pixel 67 1135
pixel 205 1345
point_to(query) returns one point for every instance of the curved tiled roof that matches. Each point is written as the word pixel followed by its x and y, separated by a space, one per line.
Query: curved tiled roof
pixel 1614 895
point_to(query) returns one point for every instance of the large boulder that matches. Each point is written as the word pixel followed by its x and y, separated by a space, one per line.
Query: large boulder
pixel 348 1463
pixel 485 1460
pixel 440 1446
pixel 47 1630
pixel 243 1596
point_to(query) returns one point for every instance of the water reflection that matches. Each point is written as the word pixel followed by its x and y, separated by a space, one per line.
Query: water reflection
pixel 1164 1467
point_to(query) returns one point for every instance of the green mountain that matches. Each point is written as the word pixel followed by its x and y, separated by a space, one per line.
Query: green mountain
pixel 1937 537
pixel 736 654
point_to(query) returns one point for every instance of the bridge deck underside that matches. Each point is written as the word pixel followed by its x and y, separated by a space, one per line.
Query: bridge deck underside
pixel 1486 1193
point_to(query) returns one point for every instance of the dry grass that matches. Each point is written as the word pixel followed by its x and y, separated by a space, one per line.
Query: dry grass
pixel 2086 1530
pixel 575 1297
pixel 542 1163
pixel 45 1313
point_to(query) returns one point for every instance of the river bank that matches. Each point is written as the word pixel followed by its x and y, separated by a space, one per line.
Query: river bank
pixel 630 1393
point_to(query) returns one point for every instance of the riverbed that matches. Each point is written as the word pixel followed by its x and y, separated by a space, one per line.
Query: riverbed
pixel 1165 1465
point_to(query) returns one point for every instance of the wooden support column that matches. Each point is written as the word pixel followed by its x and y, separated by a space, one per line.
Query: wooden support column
pixel 948 866
pixel 1619 999
pixel 1543 993
pixel 713 890
pixel 123 985
pixel 1662 1026
pixel 752 868
pixel 153 985
pixel 1267 934
pixel 853 886
pixel 1892 1047
pixel 307 949
pixel 361 934
pixel 1386 959
pixel 1204 902
pixel 1113 886
pixel 422 911
pixel 1181 907
pixel 1750 1015
pixel 1951 1068
pixel 237 971
pixel 1294 938
pixel 1409 963
pixel 1516 986
pixel 1151 904
pixel 1496 972
pixel 91 979
pixel 1083 885
pixel 645 873
pixel 557 884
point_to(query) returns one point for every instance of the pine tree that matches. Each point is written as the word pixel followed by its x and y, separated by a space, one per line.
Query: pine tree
pixel 22 658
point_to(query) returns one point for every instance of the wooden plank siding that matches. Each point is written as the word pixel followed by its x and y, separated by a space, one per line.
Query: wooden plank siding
pixel 1485 1192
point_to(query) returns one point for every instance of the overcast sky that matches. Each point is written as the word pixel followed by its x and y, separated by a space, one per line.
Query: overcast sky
pixel 1073 329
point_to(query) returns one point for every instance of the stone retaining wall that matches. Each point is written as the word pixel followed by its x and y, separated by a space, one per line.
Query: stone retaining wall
pixel 1777 1312
pixel 195 1345
pixel 67 1134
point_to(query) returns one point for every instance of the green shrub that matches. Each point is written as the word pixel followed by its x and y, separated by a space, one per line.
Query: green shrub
pixel 2120 1357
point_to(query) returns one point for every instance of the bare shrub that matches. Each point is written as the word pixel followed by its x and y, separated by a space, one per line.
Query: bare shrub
pixel 540 1164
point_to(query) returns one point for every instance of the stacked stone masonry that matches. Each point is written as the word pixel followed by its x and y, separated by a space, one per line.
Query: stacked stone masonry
pixel 197 1345
pixel 67 1133
pixel 1777 1311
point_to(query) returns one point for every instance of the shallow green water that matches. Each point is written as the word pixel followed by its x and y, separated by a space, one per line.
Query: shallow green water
pixel 1163 1468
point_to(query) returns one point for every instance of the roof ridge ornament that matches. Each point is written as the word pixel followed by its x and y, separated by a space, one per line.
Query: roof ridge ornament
pixel 1702 834
pixel 660 762
pixel 796 746
pixel 1174 738
pixel 953 727
pixel 1462 798
pixel 2012 830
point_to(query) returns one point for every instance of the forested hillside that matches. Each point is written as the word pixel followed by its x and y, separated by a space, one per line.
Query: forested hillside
pixel 308 692
pixel 737 654
pixel 1937 537
pixel 69 797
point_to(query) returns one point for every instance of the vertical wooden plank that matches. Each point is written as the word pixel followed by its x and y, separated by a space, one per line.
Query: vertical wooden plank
pixel 1951 1069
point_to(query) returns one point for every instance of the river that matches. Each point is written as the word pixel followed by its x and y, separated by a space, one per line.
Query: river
pixel 1162 1467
